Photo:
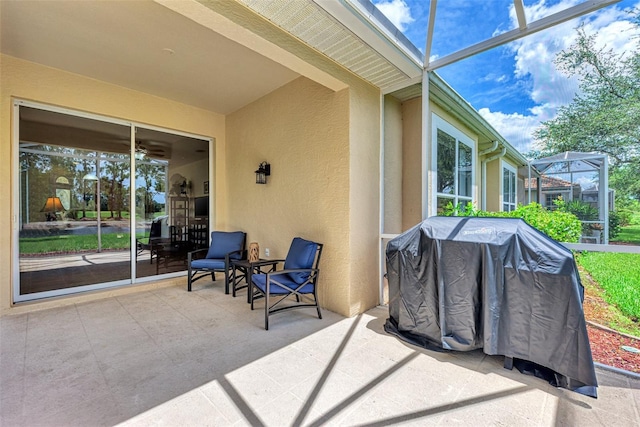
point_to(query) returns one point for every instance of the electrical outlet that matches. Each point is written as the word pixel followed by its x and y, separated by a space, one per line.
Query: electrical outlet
pixel 266 251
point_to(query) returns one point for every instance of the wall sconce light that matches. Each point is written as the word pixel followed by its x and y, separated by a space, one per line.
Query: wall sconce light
pixel 264 170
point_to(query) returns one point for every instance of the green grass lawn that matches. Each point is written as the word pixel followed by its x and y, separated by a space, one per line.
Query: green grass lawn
pixel 71 244
pixel 629 234
pixel 619 276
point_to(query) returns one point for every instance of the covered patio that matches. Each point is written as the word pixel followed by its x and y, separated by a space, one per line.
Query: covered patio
pixel 163 356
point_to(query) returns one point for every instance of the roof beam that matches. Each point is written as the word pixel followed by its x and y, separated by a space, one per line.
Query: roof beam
pixel 539 25
pixel 432 20
pixel 522 19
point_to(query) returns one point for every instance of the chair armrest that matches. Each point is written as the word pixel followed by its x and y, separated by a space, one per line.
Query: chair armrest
pixel 227 257
pixel 191 253
pixel 294 270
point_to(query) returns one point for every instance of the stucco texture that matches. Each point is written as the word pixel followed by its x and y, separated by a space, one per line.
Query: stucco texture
pixel 303 131
pixel 493 200
pixel 392 165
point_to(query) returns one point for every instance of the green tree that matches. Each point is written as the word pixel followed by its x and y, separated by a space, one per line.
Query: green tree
pixel 604 115
pixel 116 173
pixel 153 176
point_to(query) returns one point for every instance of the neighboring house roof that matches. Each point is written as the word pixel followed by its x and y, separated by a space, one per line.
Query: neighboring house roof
pixel 550 183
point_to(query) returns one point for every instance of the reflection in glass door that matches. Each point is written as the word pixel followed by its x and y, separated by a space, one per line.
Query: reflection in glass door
pixel 171 171
pixel 78 203
pixel 74 222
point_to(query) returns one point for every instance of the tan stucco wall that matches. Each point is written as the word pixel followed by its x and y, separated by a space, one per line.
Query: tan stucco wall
pixel 411 163
pixel 33 82
pixel 316 154
pixel 494 186
pixel 364 201
pixel 392 165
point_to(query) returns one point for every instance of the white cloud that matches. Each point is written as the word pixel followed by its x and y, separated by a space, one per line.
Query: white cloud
pixel 397 11
pixel 493 77
pixel 515 128
pixel 534 57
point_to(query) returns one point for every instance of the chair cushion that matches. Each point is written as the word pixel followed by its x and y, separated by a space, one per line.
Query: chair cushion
pixel 260 280
pixel 223 242
pixel 207 264
pixel 301 255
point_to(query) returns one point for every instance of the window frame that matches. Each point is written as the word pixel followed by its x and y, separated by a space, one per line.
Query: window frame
pixel 514 182
pixel 17 295
pixel 440 124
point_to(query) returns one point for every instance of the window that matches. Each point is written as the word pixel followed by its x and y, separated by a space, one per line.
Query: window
pixel 454 166
pixel 550 198
pixel 508 188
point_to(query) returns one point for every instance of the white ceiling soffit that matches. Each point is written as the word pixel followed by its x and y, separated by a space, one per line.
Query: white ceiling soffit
pixel 346 33
pixel 200 11
pixel 524 29
pixel 144 46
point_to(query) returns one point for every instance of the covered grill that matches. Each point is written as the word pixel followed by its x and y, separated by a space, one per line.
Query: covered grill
pixel 497 284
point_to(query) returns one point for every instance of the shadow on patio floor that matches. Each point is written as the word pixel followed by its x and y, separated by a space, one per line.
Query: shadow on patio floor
pixel 171 357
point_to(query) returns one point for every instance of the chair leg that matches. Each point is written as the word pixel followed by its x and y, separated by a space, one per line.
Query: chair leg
pixel 315 299
pixel 251 291
pixel 189 278
pixel 232 280
pixel 266 310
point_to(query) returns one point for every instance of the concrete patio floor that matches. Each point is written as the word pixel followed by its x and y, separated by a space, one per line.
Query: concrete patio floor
pixel 169 357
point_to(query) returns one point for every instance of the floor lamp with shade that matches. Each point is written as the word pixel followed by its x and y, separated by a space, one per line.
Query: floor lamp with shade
pixel 52 206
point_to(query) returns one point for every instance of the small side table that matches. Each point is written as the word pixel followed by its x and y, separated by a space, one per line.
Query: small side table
pixel 247 268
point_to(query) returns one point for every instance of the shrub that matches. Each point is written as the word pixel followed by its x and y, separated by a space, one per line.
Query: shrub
pixel 615 224
pixel 624 216
pixel 559 225
pixel 584 211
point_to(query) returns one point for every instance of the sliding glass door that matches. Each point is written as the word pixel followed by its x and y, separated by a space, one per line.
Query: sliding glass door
pixel 84 224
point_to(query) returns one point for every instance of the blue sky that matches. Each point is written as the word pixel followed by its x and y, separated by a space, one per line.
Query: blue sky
pixel 515 86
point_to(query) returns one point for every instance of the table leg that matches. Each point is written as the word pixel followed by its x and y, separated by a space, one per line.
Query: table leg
pixel 249 284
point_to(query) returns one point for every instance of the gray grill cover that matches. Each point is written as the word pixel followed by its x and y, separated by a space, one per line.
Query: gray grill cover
pixel 465 283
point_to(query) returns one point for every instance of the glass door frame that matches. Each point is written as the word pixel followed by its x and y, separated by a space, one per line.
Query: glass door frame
pixel 15 201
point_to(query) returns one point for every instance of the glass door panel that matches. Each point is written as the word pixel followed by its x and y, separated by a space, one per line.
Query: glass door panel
pixel 69 183
pixel 171 172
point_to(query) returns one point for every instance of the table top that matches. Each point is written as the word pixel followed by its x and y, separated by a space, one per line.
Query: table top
pixel 261 261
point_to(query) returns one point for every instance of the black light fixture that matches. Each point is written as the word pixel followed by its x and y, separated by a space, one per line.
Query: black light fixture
pixel 264 170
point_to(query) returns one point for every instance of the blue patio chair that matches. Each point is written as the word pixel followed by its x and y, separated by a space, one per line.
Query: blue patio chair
pixel 225 247
pixel 298 279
